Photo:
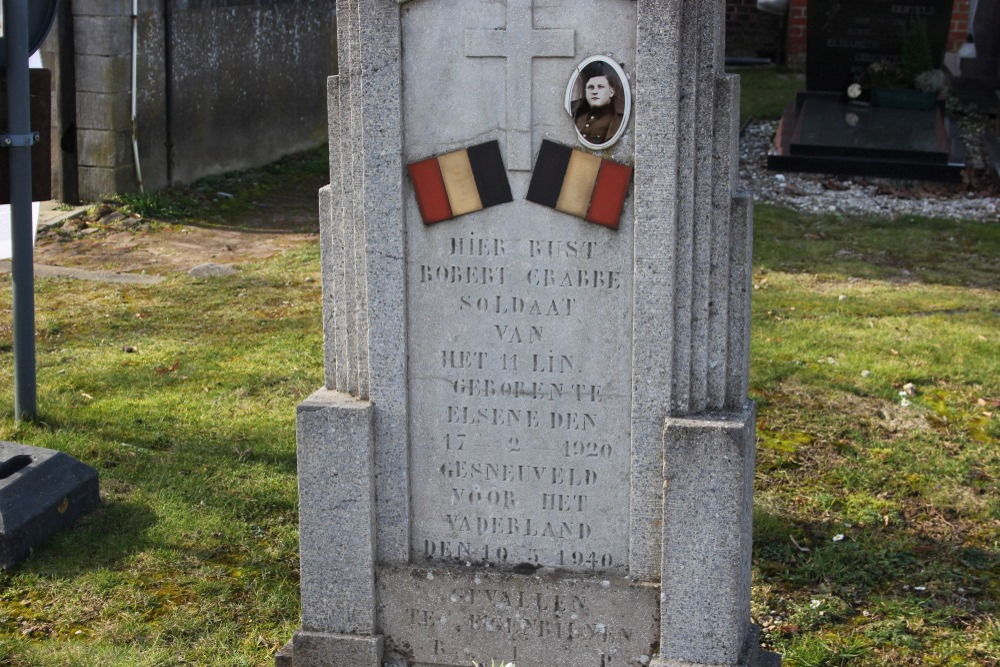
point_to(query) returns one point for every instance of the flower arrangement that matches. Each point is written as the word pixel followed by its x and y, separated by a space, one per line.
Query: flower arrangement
pixel 912 82
pixel 885 73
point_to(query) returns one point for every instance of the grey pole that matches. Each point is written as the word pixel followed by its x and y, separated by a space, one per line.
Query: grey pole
pixel 20 138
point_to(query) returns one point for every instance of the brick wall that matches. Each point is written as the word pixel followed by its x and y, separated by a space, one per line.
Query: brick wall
pixel 750 32
pixel 796 48
pixel 960 21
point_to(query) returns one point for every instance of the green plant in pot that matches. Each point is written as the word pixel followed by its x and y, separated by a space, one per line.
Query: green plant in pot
pixel 916 56
pixel 912 84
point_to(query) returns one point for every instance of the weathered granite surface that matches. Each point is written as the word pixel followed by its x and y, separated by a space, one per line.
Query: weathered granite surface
pixel 455 616
pixel 336 514
pixel 319 649
pixel 706 543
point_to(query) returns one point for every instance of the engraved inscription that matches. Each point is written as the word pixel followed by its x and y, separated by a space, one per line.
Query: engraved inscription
pixel 521 381
pixel 451 618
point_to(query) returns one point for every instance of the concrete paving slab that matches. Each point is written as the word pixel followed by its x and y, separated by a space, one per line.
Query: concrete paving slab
pixel 52 212
pixel 46 271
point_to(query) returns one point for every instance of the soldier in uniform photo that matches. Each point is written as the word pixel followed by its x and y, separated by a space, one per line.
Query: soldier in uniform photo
pixel 599 114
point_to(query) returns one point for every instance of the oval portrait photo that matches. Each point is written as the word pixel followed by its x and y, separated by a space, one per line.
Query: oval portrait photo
pixel 599 100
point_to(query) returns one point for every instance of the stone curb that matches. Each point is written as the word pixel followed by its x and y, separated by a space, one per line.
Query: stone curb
pixel 49 216
pixel 47 271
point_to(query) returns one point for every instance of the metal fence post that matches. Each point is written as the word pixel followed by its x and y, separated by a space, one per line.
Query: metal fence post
pixel 20 138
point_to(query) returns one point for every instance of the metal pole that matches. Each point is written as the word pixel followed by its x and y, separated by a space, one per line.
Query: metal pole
pixel 69 190
pixel 22 268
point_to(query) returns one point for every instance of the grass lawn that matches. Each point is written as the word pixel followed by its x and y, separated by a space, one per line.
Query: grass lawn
pixel 192 557
pixel 766 91
pixel 876 368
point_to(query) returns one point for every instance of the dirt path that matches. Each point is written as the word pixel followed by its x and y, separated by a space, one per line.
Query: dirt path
pixel 163 251
pixel 258 223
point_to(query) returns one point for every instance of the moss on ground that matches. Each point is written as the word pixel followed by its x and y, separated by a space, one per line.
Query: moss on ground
pixel 876 367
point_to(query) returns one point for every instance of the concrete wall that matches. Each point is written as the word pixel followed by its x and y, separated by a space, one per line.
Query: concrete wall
pixel 222 85
pixel 259 65
pixel 103 44
pixel 151 105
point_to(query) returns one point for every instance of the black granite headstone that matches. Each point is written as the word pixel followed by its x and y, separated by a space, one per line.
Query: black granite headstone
pixel 41 491
pixel 993 141
pixel 821 133
pixel 846 36
pixel 828 127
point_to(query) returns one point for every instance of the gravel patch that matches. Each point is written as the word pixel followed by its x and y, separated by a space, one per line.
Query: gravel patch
pixel 856 196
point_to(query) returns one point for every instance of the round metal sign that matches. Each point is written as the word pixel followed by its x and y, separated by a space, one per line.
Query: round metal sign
pixel 41 14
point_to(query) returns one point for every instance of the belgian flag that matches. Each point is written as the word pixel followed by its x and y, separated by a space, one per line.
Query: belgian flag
pixel 580 183
pixel 460 182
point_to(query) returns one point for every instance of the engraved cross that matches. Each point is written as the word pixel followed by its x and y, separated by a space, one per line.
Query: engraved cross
pixel 519 43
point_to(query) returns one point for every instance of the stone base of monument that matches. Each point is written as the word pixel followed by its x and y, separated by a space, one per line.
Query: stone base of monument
pixel 821 133
pixel 694 609
pixel 325 650
pixel 752 656
pixel 319 649
pixel 41 491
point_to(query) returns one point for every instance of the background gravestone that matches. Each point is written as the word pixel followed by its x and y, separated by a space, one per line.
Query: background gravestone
pixel 535 442
pixel 883 132
pixel 844 37
pixel 986 33
pixel 975 79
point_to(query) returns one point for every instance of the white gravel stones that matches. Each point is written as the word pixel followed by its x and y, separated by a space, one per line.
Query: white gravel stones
pixel 854 196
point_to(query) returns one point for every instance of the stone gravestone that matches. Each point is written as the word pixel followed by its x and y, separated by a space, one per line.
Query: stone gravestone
pixel 534 442
pixel 844 37
pixel 833 129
